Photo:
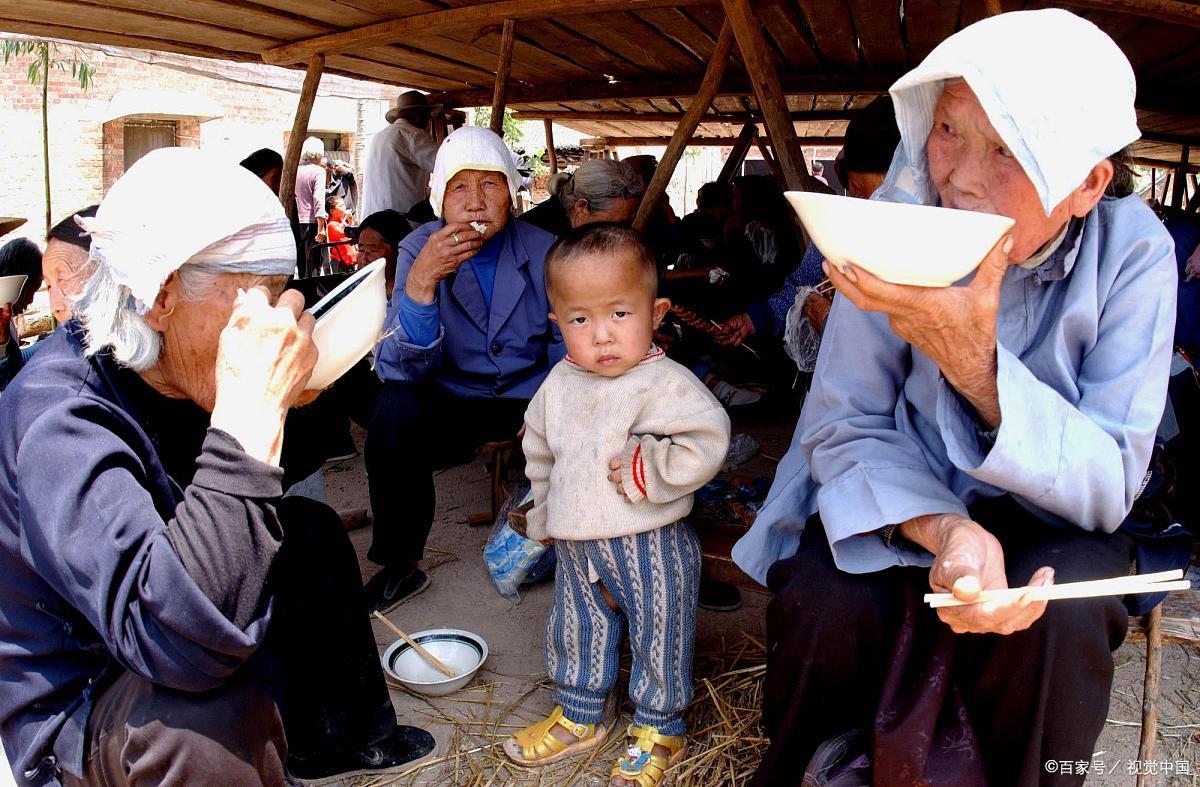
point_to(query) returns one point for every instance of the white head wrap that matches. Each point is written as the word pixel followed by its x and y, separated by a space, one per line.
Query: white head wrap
pixel 179 206
pixel 471 147
pixel 1056 88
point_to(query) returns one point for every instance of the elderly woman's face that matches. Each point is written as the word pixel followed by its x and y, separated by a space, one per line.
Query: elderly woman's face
pixel 62 270
pixel 621 210
pixel 191 332
pixel 972 169
pixel 479 196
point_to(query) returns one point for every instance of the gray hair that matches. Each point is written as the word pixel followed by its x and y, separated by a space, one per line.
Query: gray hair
pixel 110 321
pixel 313 150
pixel 598 182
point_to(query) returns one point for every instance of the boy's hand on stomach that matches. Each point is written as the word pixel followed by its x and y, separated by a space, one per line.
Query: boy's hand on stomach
pixel 614 465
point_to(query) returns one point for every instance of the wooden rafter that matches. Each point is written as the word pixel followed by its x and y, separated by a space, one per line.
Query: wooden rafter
pixel 703 142
pixel 733 118
pixel 472 16
pixel 737 155
pixel 687 126
pixel 1172 11
pixel 503 69
pixel 562 92
pixel 291 160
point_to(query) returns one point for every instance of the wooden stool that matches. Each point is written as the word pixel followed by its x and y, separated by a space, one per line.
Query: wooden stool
pixel 498 456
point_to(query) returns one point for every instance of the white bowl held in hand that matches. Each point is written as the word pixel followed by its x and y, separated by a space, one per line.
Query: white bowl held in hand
pixel 903 244
pixel 461 651
pixel 10 288
pixel 349 323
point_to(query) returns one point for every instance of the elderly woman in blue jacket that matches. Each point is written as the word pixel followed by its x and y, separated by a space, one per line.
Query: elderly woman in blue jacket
pixel 468 342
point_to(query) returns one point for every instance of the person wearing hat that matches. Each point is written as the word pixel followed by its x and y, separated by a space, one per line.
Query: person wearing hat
pixel 987 435
pixel 168 616
pixel 468 340
pixel 401 157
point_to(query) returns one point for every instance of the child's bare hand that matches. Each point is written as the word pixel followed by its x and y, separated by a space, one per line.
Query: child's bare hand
pixel 614 465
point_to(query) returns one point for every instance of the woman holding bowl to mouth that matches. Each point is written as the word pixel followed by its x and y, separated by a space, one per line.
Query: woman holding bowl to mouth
pixel 467 342
pixel 975 437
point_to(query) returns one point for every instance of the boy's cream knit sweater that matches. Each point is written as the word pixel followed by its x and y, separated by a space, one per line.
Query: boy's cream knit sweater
pixel 669 431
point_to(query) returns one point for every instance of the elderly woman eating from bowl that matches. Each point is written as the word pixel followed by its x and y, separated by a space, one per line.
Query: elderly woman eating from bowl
pixel 467 343
pixel 167 617
pixel 988 435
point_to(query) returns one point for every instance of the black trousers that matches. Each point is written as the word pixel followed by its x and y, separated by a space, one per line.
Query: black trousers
pixel 862 651
pixel 418 428
pixel 319 664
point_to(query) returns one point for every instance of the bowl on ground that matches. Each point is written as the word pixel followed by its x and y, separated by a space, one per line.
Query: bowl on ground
pixel 349 323
pixel 10 288
pixel 904 244
pixel 461 651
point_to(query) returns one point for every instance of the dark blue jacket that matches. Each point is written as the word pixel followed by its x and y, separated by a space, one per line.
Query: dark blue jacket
pixel 107 563
pixel 505 351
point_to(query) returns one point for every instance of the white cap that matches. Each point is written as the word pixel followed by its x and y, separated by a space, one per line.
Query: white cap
pixel 471 147
pixel 1057 89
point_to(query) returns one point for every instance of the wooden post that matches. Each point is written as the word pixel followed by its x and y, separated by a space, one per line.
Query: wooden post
pixel 772 164
pixel 439 126
pixel 1150 689
pixel 769 93
pixel 503 69
pixel 548 125
pixel 738 154
pixel 291 161
pixel 1179 186
pixel 683 132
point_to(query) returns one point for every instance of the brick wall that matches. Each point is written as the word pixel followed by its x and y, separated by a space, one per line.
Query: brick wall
pixel 87 154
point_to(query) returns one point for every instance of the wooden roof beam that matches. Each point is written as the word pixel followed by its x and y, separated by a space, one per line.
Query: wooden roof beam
pixel 704 142
pixel 733 118
pixel 1171 11
pixel 816 84
pixel 472 16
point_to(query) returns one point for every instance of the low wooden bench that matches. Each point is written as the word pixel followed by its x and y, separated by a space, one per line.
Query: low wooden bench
pixel 1177 619
pixel 498 457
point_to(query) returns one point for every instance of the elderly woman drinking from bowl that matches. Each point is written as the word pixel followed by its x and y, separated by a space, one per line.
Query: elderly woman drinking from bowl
pixel 467 343
pixel 165 612
pixel 975 437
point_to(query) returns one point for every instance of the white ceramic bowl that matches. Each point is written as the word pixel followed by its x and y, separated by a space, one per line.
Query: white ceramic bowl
pixel 459 650
pixel 903 244
pixel 349 323
pixel 10 288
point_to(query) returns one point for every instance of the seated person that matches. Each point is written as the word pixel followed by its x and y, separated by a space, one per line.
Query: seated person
pixel 165 611
pixel 975 437
pixel 703 230
pixel 378 237
pixel 871 139
pixel 598 190
pixel 18 257
pixel 65 261
pixel 467 343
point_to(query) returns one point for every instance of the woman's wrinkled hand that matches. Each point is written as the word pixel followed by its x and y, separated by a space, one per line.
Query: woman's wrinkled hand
pixel 954 326
pixel 735 330
pixel 968 560
pixel 264 359
pixel 441 255
pixel 1192 269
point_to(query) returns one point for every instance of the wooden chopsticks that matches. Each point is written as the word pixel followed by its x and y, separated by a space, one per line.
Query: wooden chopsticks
pixel 1117 586
pixel 412 643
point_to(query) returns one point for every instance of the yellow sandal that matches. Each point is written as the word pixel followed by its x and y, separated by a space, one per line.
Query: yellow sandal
pixel 536 746
pixel 642 765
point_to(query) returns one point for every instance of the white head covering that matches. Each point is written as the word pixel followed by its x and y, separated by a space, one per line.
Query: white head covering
pixel 1057 89
pixel 471 147
pixel 179 206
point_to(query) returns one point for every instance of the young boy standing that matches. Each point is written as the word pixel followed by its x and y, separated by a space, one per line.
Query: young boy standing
pixel 616 441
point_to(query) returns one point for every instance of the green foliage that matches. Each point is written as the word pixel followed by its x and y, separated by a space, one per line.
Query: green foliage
pixel 513 133
pixel 49 55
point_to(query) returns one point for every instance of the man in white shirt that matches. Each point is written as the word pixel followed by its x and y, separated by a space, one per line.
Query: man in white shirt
pixel 401 157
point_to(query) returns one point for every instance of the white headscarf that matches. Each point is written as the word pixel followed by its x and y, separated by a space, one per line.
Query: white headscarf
pixel 182 206
pixel 471 147
pixel 1057 89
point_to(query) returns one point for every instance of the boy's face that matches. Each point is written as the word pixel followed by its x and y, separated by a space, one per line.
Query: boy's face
pixel 605 312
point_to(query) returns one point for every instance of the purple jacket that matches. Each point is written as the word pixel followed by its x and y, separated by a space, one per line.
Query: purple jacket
pixel 107 563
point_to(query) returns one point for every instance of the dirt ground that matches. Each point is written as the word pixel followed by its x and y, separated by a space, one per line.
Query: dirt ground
pixel 511 690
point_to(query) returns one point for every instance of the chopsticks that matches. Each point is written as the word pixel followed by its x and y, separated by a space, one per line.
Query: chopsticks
pixel 432 659
pixel 825 288
pixel 1117 586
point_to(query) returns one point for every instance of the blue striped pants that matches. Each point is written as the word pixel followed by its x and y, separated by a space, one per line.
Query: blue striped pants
pixel 654 578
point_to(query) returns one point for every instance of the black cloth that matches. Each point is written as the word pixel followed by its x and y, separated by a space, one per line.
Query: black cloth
pixel 863 651
pixel 550 216
pixel 418 428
